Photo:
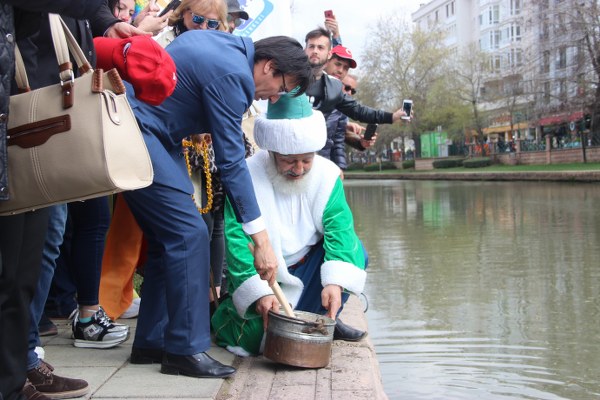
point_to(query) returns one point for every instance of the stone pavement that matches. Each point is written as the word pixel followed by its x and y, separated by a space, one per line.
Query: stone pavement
pixel 353 372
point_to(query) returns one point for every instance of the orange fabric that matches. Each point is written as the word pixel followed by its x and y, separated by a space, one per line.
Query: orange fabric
pixel 121 257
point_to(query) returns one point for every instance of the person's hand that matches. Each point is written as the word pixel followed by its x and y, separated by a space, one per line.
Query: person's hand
pixel 265 261
pixel 151 8
pixel 352 128
pixel 368 143
pixel 398 114
pixel 122 30
pixel 331 299
pixel 332 25
pixel 151 22
pixel 264 304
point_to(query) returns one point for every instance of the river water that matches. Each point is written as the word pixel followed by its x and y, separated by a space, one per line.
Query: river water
pixel 482 290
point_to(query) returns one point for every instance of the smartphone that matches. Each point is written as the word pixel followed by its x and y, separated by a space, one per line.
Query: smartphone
pixel 171 6
pixel 328 14
pixel 370 131
pixel 407 107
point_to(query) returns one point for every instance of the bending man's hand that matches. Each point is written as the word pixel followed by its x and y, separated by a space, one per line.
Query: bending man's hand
pixel 265 261
pixel 264 304
pixel 331 299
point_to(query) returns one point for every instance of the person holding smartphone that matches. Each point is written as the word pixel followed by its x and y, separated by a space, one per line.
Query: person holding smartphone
pixel 147 19
pixel 327 93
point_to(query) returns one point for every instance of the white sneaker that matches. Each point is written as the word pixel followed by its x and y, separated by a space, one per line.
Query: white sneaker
pixel 133 310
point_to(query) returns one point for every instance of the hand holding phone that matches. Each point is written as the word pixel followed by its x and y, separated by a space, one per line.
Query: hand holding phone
pixel 370 131
pixel 171 6
pixel 407 107
pixel 328 14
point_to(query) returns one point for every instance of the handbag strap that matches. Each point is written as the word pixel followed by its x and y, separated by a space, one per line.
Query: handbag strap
pixel 20 72
pixel 63 43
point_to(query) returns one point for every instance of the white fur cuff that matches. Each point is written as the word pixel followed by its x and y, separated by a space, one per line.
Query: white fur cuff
pixel 345 274
pixel 251 290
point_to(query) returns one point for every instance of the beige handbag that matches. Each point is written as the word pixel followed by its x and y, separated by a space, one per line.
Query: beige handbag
pixel 72 141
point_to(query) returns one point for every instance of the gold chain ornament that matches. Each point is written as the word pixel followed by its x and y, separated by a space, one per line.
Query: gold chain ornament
pixel 200 147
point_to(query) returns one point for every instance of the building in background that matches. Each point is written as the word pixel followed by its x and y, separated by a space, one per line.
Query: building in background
pixel 538 63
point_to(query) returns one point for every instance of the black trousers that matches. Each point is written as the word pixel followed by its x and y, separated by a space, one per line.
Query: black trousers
pixel 21 243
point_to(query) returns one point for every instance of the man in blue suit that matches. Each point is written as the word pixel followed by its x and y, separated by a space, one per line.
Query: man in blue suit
pixel 218 77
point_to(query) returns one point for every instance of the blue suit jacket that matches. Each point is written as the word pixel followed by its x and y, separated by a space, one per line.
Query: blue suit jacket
pixel 215 86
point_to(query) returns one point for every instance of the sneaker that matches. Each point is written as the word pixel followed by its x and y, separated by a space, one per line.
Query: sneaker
pixel 53 386
pixel 99 333
pixel 29 392
pixel 133 310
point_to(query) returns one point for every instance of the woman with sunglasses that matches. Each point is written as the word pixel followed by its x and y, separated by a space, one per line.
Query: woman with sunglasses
pixel 195 14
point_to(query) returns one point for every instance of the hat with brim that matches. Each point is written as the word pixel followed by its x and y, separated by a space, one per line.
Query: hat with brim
pixel 344 53
pixel 233 6
pixel 291 126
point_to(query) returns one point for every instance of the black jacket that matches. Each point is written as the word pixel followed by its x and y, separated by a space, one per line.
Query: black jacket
pixel 326 94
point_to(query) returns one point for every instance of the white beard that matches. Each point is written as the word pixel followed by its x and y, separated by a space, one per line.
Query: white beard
pixel 286 186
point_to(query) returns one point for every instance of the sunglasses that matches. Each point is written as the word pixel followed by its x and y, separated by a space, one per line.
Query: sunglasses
pixel 236 21
pixel 350 89
pixel 210 23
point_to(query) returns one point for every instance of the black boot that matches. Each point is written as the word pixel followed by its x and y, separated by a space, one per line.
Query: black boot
pixel 347 333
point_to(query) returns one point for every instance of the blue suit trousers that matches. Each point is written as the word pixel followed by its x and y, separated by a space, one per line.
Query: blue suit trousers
pixel 174 313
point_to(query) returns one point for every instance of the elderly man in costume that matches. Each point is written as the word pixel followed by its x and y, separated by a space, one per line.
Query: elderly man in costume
pixel 301 197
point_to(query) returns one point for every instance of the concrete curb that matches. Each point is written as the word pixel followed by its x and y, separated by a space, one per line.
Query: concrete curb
pixel 352 374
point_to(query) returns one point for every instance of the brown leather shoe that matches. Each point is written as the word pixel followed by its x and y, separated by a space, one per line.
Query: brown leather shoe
pixel 54 386
pixel 30 392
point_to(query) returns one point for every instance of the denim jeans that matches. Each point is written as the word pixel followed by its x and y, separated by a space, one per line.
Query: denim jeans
pixel 89 221
pixel 309 271
pixel 54 238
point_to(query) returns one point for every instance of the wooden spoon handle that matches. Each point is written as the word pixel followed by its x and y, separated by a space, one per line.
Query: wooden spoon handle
pixel 282 300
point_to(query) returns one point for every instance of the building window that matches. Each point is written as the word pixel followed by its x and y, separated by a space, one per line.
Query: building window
pixel 546 92
pixel 495 37
pixel 562 89
pixel 545 33
pixel 513 32
pixel 562 58
pixel 581 85
pixel 515 58
pixel 581 53
pixel 546 62
pixel 494 15
pixel 496 63
pixel 515 7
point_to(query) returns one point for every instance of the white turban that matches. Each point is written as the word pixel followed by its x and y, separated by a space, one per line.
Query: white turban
pixel 291 127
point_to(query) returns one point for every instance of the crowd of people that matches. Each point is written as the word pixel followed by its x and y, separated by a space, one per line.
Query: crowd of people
pixel 254 207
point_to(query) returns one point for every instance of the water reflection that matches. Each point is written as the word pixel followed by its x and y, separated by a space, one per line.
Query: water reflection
pixel 482 290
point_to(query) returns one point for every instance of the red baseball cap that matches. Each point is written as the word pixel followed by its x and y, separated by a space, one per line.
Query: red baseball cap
pixel 344 53
pixel 140 61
